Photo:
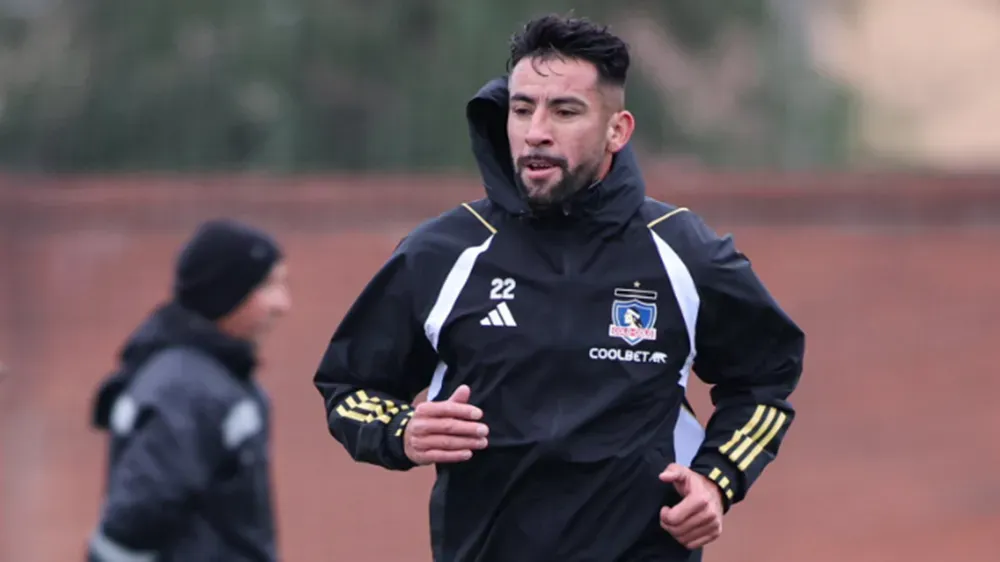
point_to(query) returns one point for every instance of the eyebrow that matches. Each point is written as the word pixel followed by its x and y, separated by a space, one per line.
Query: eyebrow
pixel 562 100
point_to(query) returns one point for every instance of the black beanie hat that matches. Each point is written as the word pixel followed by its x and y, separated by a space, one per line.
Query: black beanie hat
pixel 221 265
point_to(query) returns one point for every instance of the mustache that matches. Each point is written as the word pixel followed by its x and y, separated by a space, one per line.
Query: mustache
pixel 557 161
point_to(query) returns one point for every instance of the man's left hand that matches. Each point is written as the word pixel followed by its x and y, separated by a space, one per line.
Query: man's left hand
pixel 697 519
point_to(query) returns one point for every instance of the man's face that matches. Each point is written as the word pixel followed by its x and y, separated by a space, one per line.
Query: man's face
pixel 563 126
pixel 268 302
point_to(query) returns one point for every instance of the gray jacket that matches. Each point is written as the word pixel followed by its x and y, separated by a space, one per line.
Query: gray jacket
pixel 188 472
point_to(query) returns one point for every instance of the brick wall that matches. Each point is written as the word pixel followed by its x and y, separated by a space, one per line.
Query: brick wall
pixel 893 278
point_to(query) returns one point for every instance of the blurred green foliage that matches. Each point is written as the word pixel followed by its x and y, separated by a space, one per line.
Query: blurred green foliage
pixel 299 85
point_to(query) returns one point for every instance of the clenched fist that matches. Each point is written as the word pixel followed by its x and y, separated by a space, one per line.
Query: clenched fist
pixel 445 431
pixel 697 519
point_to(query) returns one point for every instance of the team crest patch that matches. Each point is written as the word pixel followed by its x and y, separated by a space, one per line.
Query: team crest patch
pixel 633 315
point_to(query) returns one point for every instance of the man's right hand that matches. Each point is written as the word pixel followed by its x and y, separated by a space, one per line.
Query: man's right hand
pixel 445 431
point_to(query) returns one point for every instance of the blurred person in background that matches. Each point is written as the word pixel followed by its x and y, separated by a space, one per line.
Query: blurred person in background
pixel 189 469
pixel 556 323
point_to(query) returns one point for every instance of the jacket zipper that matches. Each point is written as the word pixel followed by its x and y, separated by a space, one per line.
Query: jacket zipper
pixel 567 296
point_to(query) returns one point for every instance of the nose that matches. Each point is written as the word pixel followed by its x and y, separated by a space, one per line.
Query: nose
pixel 283 303
pixel 538 132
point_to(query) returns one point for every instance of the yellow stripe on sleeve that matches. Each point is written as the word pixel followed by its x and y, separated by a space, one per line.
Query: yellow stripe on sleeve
pixel 402 424
pixel 750 441
pixel 362 408
pixel 761 445
pixel 723 482
pixel 743 431
pixel 753 438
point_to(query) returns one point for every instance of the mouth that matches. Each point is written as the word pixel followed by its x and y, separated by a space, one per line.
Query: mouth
pixel 538 164
pixel 539 169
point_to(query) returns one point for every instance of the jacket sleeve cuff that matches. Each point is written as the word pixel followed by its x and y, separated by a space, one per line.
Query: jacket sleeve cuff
pixel 397 428
pixel 103 548
pixel 716 468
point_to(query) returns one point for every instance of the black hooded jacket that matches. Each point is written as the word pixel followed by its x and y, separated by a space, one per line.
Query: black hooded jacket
pixel 577 333
pixel 188 466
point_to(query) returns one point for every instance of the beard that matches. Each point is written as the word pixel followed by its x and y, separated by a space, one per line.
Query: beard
pixel 546 197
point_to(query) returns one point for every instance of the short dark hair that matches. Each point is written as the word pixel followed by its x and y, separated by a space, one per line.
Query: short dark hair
pixel 575 38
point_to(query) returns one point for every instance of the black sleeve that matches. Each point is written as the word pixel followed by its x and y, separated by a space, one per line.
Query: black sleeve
pixel 167 461
pixel 376 363
pixel 751 353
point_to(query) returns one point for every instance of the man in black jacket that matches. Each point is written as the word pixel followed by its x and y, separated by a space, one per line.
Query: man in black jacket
pixel 556 323
pixel 189 469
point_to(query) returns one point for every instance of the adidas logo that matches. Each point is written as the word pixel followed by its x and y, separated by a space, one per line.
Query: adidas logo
pixel 499 316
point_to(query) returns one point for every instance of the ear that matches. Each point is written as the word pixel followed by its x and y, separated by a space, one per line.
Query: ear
pixel 620 128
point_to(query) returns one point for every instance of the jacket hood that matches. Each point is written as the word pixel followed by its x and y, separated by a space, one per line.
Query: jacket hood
pixel 615 199
pixel 170 326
